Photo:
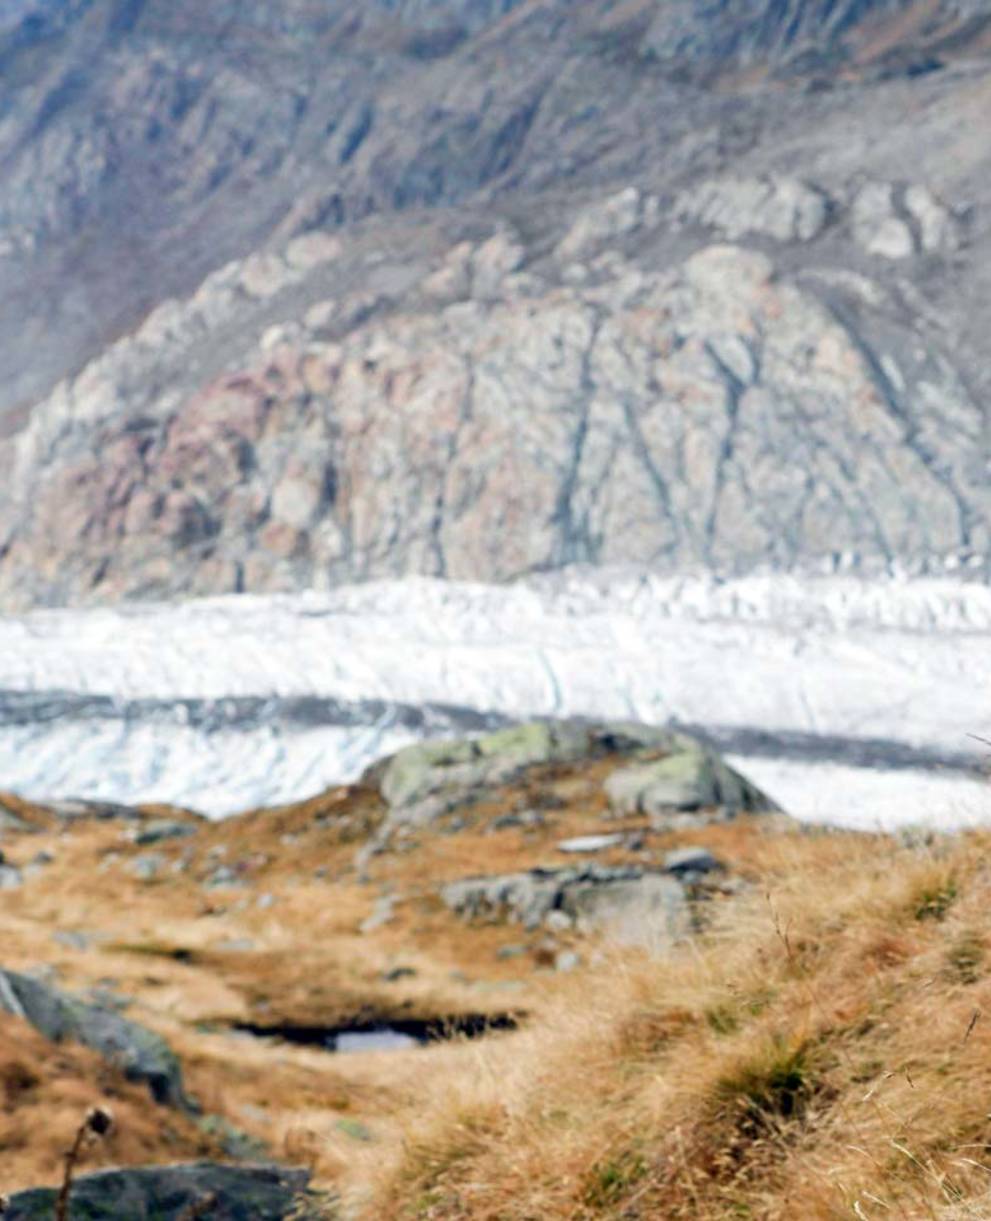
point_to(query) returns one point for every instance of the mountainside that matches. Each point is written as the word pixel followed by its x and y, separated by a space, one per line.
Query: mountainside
pixel 482 289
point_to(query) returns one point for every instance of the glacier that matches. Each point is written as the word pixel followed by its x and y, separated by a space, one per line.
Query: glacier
pixel 851 702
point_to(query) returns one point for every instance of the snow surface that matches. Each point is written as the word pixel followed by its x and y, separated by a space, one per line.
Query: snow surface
pixel 834 658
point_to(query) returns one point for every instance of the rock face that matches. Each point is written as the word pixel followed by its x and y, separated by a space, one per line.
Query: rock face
pixel 168 1193
pixel 142 1054
pixel 433 312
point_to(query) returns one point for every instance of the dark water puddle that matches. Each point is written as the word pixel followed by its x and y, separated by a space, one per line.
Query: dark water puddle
pixel 385 1035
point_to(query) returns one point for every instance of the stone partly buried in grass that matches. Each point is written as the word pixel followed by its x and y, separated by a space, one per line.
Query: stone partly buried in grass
pixel 168 1193
pixel 142 1054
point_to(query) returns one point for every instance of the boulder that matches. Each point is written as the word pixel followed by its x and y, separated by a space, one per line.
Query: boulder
pixel 650 910
pixel 784 209
pixel 606 221
pixel 142 1054
pixel 448 770
pixel 939 228
pixel 691 860
pixel 631 903
pixel 158 829
pixel 877 225
pixel 168 1193
pixel 689 779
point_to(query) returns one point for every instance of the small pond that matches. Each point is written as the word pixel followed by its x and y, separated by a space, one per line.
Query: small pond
pixel 391 1035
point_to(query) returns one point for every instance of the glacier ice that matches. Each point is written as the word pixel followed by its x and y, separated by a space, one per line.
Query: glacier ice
pixel 225 703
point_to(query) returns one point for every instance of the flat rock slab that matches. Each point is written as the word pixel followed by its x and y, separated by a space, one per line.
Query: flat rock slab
pixel 168 1193
pixel 591 843
pixel 143 1055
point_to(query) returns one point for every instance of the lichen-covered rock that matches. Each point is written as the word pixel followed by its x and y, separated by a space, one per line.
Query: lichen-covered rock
pixel 428 769
pixel 689 779
pixel 142 1054
pixel 168 1193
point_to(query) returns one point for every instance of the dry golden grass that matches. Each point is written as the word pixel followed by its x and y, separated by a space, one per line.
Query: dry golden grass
pixel 820 1053
pixel 46 1092
pixel 813 1054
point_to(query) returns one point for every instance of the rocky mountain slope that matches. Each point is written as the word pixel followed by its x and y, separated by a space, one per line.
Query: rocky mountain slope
pixel 478 290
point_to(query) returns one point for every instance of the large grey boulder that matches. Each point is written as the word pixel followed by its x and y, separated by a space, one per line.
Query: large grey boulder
pixel 167 1193
pixel 441 768
pixel 630 903
pixel 690 778
pixel 429 768
pixel 142 1054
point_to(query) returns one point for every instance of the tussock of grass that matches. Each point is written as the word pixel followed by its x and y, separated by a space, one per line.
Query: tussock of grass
pixel 819 1053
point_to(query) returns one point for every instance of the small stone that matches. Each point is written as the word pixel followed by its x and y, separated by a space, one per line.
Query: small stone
pixel 147 868
pixel 159 829
pixel 72 940
pixel 265 901
pixel 691 860
pixel 394 974
pixel 382 913
pixel 510 951
pixel 590 843
pixel 558 921
pixel 10 878
pixel 567 960
pixel 223 877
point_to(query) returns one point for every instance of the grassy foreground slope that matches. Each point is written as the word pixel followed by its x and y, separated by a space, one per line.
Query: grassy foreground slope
pixel 822 1052
pixel 819 1046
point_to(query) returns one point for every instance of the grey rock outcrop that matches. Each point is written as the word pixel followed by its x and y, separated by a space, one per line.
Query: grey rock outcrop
pixel 688 779
pixel 143 1055
pixel 442 313
pixel 666 774
pixel 896 224
pixel 785 209
pixel 628 902
pixel 623 420
pixel 168 1193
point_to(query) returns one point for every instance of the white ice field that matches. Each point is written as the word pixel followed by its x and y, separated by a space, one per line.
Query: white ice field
pixel 226 703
